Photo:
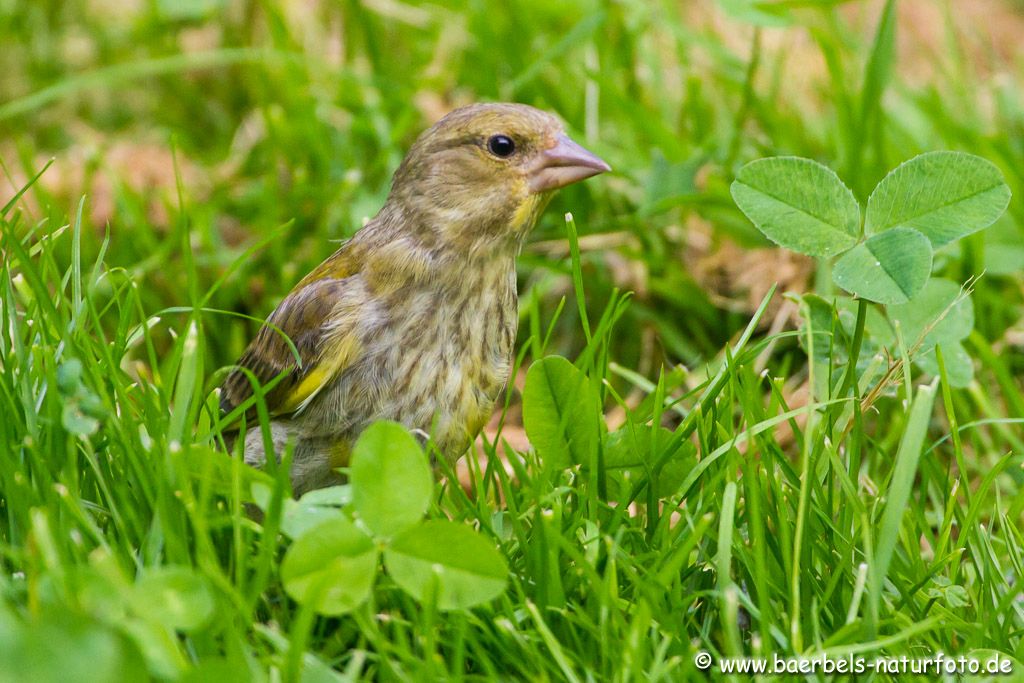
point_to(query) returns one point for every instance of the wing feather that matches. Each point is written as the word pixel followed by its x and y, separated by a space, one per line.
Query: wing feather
pixel 303 316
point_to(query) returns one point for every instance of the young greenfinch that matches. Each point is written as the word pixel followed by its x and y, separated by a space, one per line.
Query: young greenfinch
pixel 414 318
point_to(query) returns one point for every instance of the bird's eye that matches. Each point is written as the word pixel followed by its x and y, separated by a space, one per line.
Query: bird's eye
pixel 501 146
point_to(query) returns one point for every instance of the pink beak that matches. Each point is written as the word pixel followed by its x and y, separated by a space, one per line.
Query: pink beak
pixel 563 164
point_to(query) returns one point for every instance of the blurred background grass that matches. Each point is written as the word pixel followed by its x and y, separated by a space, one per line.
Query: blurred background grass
pixel 222 125
pixel 290 117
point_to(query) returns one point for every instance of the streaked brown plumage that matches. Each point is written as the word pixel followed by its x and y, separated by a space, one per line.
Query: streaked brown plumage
pixel 414 318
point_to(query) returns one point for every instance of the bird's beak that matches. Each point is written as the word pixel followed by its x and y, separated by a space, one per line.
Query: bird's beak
pixel 563 164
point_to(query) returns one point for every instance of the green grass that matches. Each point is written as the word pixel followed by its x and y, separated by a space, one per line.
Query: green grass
pixel 778 517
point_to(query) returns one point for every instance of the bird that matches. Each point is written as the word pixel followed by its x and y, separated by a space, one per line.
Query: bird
pixel 414 318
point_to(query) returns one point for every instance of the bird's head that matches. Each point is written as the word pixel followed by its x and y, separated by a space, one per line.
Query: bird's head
pixel 484 172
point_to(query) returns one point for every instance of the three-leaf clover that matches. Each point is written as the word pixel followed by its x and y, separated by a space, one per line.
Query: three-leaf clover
pixel 923 204
pixel 333 563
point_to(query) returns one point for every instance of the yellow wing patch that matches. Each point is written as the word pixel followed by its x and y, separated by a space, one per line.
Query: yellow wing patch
pixel 335 358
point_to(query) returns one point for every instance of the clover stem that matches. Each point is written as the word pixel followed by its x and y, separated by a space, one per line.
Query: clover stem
pixel 850 379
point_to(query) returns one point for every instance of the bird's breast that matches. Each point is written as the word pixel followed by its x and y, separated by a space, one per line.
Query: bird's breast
pixel 434 357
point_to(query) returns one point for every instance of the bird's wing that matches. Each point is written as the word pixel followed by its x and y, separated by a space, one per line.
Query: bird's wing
pixel 323 350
